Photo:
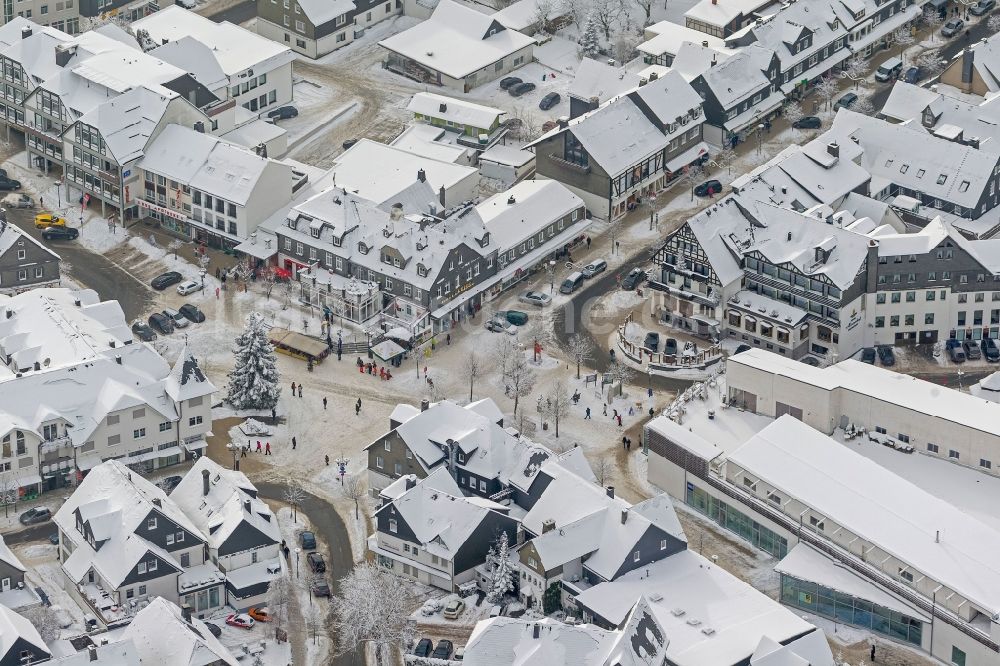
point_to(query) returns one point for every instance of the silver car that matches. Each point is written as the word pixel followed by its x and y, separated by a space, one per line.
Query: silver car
pixel 180 321
pixel 594 267
pixel 535 298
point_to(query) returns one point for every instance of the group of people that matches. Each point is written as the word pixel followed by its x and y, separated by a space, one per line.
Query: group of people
pixel 293 390
pixel 374 369
pixel 266 450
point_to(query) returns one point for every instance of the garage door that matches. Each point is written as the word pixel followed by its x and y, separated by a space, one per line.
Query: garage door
pixel 781 408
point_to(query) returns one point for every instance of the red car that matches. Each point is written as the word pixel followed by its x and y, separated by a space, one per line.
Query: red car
pixel 242 621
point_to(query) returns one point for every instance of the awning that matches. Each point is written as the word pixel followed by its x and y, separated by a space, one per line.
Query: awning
pixel 750 319
pixel 387 350
pixel 172 451
pixel 25 480
pixel 688 156
pixel 196 445
pixel 259 249
pixel 84 463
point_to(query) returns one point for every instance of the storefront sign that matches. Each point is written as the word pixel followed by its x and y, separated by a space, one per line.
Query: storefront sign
pixel 161 210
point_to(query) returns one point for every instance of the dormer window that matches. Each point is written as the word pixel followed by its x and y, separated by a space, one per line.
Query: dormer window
pixel 315 231
pixel 942 178
pixel 362 248
pixel 292 222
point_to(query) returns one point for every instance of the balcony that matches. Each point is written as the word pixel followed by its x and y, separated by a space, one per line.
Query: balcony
pixel 221 106
pixel 711 300
pixel 579 168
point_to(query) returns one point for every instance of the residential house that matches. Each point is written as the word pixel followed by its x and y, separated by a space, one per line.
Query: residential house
pixel 123 543
pixel 436 538
pixel 21 643
pixel 663 118
pixel 240 530
pixel 664 40
pixel 66 15
pixel 24 262
pixel 14 593
pixel 872 24
pixel 977 72
pixel 506 164
pixel 531 16
pixel 478 126
pixel 480 49
pixel 162 634
pixel 597 82
pixel 722 19
pixel 317 28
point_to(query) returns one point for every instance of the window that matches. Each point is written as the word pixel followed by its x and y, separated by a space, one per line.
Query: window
pixel 929 318
pixel 379 462
pixel 773 497
pixel 816 522
pixel 392 526
pixel 985 464
pixel 151 523
pixel 138 433
pixel 931 295
pixel 906 575
pixel 482 485
pixel 663 544
pixel 953 454
pixel 152 565
pixel 142 590
pixel 933 448
pixel 398 469
pixel 880 299
pixel 750 483
pixel 911 296
pixel 957 656
pixel 165 426
pixel 170 539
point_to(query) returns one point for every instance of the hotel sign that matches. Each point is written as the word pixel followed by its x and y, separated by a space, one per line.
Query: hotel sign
pixel 161 210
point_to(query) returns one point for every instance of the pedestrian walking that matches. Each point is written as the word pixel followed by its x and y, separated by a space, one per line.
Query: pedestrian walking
pixel 327 460
pixel 873 653
pixel 615 415
pixel 587 417
pixel 216 293
pixel 294 443
pixel 324 402
pixel 605 409
pixel 631 411
pixel 243 452
pixel 359 404
pixel 357 410
pixel 619 420
pixel 258 446
pixel 448 339
pixel 267 449
pixel 293 389
pixel 425 371
pixel 300 390
pixel 588 242
pixel 624 443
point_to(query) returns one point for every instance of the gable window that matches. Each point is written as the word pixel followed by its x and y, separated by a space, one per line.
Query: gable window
pixel 663 544
pixel 816 522
pixel 151 523
pixel 170 539
pixel 141 568
pixel 392 526
pixel 635 556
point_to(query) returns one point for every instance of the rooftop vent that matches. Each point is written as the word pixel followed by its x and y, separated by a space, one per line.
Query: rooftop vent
pixel 442 107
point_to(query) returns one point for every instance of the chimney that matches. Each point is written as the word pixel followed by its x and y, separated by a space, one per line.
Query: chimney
pixel 422 176
pixel 611 492
pixel 199 127
pixel 441 198
pixel 967 59
pixel 186 612
pixel 425 405
pixel 563 122
pixel 653 76
pixel 442 107
pixel 246 506
pixel 519 539
pixel 91 649
pixel 535 629
pixel 789 237
pixel 10 313
pixel 704 43
pixel 643 81
pixel 511 200
pixel 64 53
pixel 548 525
pixel 157 502
pixel 937 536
pixel 38 366
pixel 26 32
pixel 833 148
pixel 396 212
pixel 411 481
pixel 118 360
pixel 204 482
pixel 624 516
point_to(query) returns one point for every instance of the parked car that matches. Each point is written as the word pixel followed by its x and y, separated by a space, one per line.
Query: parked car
pixel 347 145
pixel 143 331
pixel 46 220
pixel 633 279
pixel 191 312
pixel 889 70
pixel 549 101
pixel 214 629
pixel 956 353
pixel 971 350
pixel 423 648
pixel 535 298
pixel 595 267
pixel 320 588
pixel 886 355
pixel 520 89
pixel 316 562
pixel 259 614
pixel 912 75
pixel 670 347
pixel 161 282
pixel 459 654
pixel 571 283
pixel 515 317
pixel 431 607
pixel 179 320
pixel 18 201
pixel 953 27
pixel 189 287
pixel 990 349
pixel 868 355
pixel 652 341
pixel 508 81
pixel 500 326
pixel 240 620
pixel 846 102
pixel 39 514
pixel 453 609
pixel 169 483
pixel 283 113
pixel 708 188
pixel 54 538
pixel 308 540
pixel 982 7
pixel 443 649
pixel 7 184
pixel 60 233
pixel 807 122
pixel 162 323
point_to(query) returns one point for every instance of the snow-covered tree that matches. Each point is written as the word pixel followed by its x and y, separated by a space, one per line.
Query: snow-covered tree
pixel 603 469
pixel 590 41
pixel 793 112
pixel 558 402
pixel 501 575
pixel 692 177
pixel 46 621
pixel 993 23
pixel 647 9
pixel 864 105
pixel 315 619
pixel 373 609
pixel 294 495
pixel 279 595
pixel 903 38
pixel 933 19
pixel 623 45
pixel 580 350
pixel 607 14
pixel 253 383
pixel 931 64
pixel 355 489
pixel 827 89
pixel 855 69
pixel 620 374
pixel 519 380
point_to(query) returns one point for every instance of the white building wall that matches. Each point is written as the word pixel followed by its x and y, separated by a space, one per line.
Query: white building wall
pixel 273 191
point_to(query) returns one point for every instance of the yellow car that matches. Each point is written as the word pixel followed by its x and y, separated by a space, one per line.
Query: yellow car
pixel 46 220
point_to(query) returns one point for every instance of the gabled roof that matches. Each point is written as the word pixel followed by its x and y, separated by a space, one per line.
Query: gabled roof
pixel 454 110
pixel 440 522
pixel 506 641
pixel 14 627
pixel 127 121
pixel 8 557
pixel 10 234
pixel 642 640
pixel 736 78
pixel 186 379
pixel 601 80
pixel 440 479
pixel 163 638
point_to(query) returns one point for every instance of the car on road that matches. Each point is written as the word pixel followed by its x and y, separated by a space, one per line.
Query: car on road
pixel 549 101
pixel 990 349
pixel 535 298
pixel 571 283
pixel 7 184
pixel 169 483
pixel 320 588
pixel 308 540
pixel 46 220
pixel 179 320
pixel 453 609
pixel 633 279
pixel 846 102
pixel 191 312
pixel 982 7
pixel 162 323
pixel 652 341
pixel 886 355
pixel 708 188
pixel 912 75
pixel 189 287
pixel 595 267
pixel 240 620
pixel 60 233
pixel 39 514
pixel 508 81
pixel 953 27
pixel 18 201
pixel 316 562
pixel 500 326
pixel 259 614
pixel 868 355
pixel 283 113
pixel 161 282
pixel 520 89
pixel 807 122
pixel 971 350
pixel 143 331
pixel 443 649
pixel 423 648
pixel 515 317
pixel 214 629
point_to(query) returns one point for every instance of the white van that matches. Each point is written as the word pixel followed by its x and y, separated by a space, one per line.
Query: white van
pixel 889 69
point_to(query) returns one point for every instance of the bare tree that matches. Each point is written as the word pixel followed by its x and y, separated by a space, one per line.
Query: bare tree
pixel 315 619
pixel 174 245
pixel 294 495
pixel 827 89
pixel 355 489
pixel 624 44
pixel 647 9
pixel 607 13
pixel 727 159
pixel 268 283
pixel 620 374
pixel 474 367
pixel 793 112
pixel 933 19
pixel 581 350
pixel 520 379
pixel 504 352
pixel 8 492
pixel 903 37
pixel 603 469
pixel 280 593
pixel 576 11
pixel 558 402
pixel 46 621
pixel 993 23
pixel 931 63
pixel 373 609
pixel 543 10
pixel 692 176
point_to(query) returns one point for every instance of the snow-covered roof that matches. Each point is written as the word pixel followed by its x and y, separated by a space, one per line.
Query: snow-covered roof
pixel 37 53
pixel 736 77
pixel 508 155
pixel 693 59
pixel 127 122
pixel 434 142
pixel 684 438
pixel 454 110
pixel 233 47
pixel 116 653
pixel 321 12
pixel 720 14
pixel 457 41
pixel 207 163
pixel 524 14
pixel 8 557
pixel 907 101
pixel 514 215
pixel 670 37
pixel 688 594
pixel 186 379
pixel 15 627
pixel 11 234
pixel 986 62
pixel 595 78
pixel 930 536
pixel 163 637
pixel 440 479
pixel 195 57
pixel 507 641
pixel 784 30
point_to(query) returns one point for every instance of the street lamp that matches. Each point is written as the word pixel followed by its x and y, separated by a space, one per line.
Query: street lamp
pixel 552 275
pixel 760 133
pixel 297 551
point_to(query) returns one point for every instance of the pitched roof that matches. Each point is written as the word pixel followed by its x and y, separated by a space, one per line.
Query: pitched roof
pixel 163 638
pixel 440 522
pixel 506 641
pixel 14 627
pixel 440 479
pixel 454 110
pixel 8 557
pixel 186 379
